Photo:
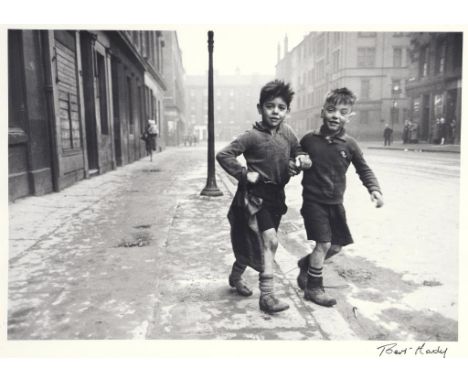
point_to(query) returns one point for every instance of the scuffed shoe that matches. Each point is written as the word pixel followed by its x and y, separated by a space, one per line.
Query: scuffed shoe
pixel 270 304
pixel 316 293
pixel 303 265
pixel 241 288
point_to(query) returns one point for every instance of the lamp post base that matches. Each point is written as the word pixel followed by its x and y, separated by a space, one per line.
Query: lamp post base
pixel 211 191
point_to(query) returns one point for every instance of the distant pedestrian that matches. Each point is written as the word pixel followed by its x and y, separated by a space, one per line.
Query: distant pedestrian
pixel 442 131
pixel 406 129
pixel 331 151
pixel 270 149
pixel 453 130
pixel 149 137
pixel 413 133
pixel 388 135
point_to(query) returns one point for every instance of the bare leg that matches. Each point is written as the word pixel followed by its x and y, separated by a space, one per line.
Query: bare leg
pixel 334 250
pixel 268 302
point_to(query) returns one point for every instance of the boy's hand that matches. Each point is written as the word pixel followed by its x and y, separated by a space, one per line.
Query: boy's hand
pixel 293 169
pixel 303 162
pixel 377 198
pixel 252 177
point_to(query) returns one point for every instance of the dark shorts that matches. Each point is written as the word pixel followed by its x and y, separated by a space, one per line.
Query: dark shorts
pixel 268 218
pixel 273 205
pixel 326 223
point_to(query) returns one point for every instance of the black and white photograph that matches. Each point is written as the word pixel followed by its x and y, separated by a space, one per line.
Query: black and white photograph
pixel 153 195
pixel 177 189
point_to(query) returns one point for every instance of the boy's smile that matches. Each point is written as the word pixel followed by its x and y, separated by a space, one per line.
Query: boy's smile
pixel 335 117
pixel 273 112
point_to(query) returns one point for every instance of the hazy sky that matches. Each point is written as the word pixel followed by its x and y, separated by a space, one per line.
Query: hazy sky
pixel 251 49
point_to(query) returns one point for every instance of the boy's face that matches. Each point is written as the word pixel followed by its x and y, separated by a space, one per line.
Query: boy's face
pixel 273 112
pixel 336 116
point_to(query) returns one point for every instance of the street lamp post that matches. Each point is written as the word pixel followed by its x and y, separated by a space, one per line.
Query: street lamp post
pixel 211 189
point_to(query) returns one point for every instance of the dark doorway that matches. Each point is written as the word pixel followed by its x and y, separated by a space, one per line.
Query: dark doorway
pixel 116 112
pixel 88 65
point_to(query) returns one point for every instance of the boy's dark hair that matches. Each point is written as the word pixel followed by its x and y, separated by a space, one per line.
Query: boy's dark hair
pixel 276 88
pixel 341 95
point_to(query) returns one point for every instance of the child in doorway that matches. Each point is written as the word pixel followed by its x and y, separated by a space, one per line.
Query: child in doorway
pixel 270 149
pixel 331 151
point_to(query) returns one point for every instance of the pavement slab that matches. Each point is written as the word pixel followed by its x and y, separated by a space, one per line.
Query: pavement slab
pixel 138 253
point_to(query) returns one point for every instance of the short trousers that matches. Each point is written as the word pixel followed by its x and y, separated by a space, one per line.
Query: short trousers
pixel 326 223
pixel 268 218
pixel 273 205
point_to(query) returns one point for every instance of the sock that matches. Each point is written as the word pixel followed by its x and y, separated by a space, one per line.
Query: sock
pixel 315 272
pixel 266 285
pixel 236 272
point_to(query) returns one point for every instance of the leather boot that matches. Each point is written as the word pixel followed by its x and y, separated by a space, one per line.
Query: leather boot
pixel 268 301
pixel 241 287
pixel 316 293
pixel 235 280
pixel 270 304
pixel 303 265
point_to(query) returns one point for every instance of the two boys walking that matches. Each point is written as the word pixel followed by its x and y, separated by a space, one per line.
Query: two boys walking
pixel 273 154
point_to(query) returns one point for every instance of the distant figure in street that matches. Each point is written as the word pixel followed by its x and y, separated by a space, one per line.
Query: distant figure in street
pixel 406 130
pixel 442 131
pixel 413 133
pixel 270 149
pixel 149 137
pixel 331 151
pixel 388 135
pixel 453 130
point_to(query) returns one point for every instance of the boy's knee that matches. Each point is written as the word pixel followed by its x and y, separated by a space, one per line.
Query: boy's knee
pixel 270 240
pixel 334 249
pixel 323 246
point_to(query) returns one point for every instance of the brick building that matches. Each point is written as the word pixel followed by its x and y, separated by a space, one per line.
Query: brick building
pixel 373 65
pixel 174 99
pixel 235 100
pixel 434 85
pixel 78 102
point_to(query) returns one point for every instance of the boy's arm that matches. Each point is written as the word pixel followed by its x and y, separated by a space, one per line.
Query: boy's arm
pixel 365 173
pixel 227 157
pixel 299 159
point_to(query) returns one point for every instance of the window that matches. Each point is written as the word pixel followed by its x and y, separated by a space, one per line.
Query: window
pixel 397 57
pixel 365 89
pixel 396 88
pixel 440 58
pixel 364 117
pixel 423 62
pixel 438 105
pixel 366 57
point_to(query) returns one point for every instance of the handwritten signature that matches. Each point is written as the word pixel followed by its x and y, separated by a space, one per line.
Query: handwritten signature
pixel 393 349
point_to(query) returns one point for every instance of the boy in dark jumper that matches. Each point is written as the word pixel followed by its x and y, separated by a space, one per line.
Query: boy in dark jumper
pixel 331 151
pixel 270 149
